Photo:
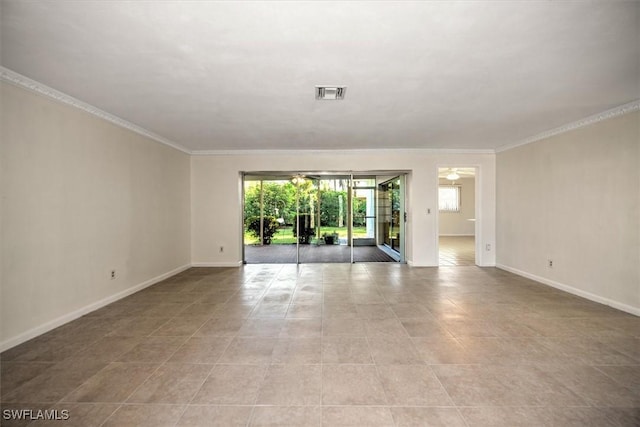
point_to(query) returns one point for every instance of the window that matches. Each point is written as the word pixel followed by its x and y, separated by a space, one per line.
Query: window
pixel 449 198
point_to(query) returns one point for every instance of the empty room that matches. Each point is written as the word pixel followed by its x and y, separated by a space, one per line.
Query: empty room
pixel 354 213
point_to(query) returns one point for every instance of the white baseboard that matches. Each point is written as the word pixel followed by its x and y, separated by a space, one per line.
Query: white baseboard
pixel 217 264
pixel 416 264
pixel 52 324
pixel 575 291
pixel 456 235
pixel 413 264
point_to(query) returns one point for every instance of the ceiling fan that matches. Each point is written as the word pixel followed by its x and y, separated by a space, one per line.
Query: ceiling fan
pixel 453 174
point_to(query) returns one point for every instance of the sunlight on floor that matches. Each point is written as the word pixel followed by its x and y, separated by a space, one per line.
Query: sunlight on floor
pixel 457 250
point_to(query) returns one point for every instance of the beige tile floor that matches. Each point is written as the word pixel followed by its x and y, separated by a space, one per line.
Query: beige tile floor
pixel 457 250
pixel 333 345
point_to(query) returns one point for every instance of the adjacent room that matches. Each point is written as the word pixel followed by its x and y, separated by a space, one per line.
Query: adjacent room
pixel 457 216
pixel 356 213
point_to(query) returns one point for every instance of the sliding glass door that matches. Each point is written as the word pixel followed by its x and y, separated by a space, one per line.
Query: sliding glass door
pixel 325 207
pixel 322 218
pixel 269 218
pixel 391 215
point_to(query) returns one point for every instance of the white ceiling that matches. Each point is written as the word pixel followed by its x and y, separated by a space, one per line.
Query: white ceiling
pixel 241 75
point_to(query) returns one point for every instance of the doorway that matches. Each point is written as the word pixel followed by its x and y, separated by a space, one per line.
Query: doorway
pixel 296 217
pixel 456 216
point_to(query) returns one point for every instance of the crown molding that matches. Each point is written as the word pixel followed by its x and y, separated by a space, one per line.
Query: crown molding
pixel 605 115
pixel 413 151
pixel 19 80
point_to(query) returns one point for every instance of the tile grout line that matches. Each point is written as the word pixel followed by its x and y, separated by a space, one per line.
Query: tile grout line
pixel 266 370
pixel 378 376
pixel 489 287
pixel 164 363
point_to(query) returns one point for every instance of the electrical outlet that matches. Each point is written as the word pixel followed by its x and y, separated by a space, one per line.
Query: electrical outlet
pixel 221 249
pixel 113 274
pixel 550 263
pixel 488 247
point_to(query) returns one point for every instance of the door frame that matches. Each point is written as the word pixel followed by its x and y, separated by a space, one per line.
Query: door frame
pixel 274 175
pixel 400 254
pixel 477 209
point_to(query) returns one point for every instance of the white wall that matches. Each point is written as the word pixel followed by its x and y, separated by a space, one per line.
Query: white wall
pixel 80 197
pixel 575 199
pixel 458 223
pixel 216 198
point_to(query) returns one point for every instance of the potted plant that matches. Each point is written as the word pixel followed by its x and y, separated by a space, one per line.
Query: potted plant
pixel 330 239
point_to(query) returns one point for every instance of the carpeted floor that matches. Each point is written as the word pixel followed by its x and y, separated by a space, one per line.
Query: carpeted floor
pixel 280 254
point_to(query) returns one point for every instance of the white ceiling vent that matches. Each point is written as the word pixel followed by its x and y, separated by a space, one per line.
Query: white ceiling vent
pixel 330 93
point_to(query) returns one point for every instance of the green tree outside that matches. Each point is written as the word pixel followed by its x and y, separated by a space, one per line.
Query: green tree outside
pixel 279 198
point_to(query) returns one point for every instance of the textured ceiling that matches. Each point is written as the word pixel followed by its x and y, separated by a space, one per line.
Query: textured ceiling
pixel 241 75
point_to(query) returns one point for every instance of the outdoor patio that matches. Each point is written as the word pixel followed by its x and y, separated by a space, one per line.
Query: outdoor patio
pixel 279 254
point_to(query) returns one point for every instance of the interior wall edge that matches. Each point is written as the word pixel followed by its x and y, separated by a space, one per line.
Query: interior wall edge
pixel 52 324
pixel 567 211
pixel 16 79
pixel 572 290
pixel 91 213
pixel 620 110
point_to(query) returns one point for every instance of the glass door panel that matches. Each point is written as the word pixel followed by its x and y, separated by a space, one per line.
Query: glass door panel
pixel 364 211
pixel 322 218
pixel 269 207
pixel 391 215
pixel 384 214
pixel 394 195
pixel 328 211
